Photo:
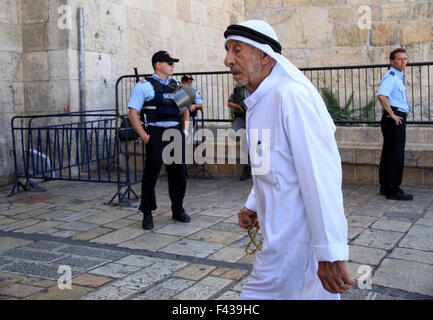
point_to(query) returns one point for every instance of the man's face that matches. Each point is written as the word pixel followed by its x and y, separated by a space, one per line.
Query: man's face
pixel 244 62
pixel 399 62
pixel 166 68
pixel 188 83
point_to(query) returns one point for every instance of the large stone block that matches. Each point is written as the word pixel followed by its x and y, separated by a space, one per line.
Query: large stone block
pixel 138 4
pixel 379 55
pixel 9 12
pixel 350 35
pixel 165 7
pixel 58 38
pixel 183 8
pixel 416 135
pixel 34 37
pixel 10 37
pixel 297 28
pixel 384 34
pixel 263 3
pixel 113 14
pixel 12 66
pixel 327 2
pixel 343 14
pixel 98 66
pixel 428 176
pixel 398 11
pixel 12 96
pixel 61 66
pixel 199 13
pixel 366 2
pixel 259 14
pixel 35 11
pixel 405 275
pixel 371 135
pixel 236 7
pixel 100 95
pixel 103 38
pixel 218 18
pixel 416 32
pixel 46 97
pixel 412 176
pixel 425 10
pixel 420 51
pixel 35 66
pixel 296 3
pixel 336 57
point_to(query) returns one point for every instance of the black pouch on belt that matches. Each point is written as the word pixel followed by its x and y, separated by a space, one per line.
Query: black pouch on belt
pixel 126 132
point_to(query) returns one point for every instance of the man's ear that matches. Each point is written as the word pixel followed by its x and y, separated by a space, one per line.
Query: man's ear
pixel 265 58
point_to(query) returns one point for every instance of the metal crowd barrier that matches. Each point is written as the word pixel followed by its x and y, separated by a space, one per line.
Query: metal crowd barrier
pixel 78 147
pixel 350 92
pixel 69 146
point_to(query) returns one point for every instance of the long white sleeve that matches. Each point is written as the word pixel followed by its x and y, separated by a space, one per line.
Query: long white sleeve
pixel 251 201
pixel 318 167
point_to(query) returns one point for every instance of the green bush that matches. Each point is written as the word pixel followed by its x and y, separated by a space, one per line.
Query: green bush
pixel 346 113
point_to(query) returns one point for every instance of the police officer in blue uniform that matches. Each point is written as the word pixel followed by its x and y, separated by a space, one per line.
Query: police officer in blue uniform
pixel 152 98
pixel 392 97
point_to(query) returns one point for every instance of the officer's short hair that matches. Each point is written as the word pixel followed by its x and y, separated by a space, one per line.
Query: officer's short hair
pixel 394 52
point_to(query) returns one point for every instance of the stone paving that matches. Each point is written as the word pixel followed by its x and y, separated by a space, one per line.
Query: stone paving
pixel 109 256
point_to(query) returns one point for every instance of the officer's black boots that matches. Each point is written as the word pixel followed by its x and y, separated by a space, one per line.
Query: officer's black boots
pixel 147 223
pixel 181 217
pixel 246 174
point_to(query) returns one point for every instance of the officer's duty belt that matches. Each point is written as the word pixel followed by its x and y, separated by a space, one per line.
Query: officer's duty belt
pixel 399 113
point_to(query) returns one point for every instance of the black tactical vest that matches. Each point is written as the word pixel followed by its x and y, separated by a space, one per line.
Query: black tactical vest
pixel 162 107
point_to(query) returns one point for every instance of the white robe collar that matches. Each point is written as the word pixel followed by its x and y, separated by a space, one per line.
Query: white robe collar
pixel 263 90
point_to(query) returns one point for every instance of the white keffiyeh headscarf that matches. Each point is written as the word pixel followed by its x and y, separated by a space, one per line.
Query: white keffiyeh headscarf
pixel 260 34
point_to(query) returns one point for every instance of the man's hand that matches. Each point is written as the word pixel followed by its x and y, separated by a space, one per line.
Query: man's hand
pixel 134 118
pixel 235 106
pixel 247 219
pixel 334 276
pixel 384 101
pixel 397 119
pixel 146 138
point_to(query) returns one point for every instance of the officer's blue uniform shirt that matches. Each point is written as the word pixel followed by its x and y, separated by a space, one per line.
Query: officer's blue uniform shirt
pixel 198 99
pixel 144 91
pixel 392 86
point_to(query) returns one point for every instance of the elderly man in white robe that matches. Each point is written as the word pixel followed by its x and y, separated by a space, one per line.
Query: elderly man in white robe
pixel 296 199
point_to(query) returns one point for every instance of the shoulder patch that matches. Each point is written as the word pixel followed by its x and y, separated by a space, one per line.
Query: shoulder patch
pixel 392 73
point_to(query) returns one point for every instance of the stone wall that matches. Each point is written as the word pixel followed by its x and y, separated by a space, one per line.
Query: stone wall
pixel 11 79
pixel 39 49
pixel 124 34
pixel 316 33
pixel 361 147
pixel 39 43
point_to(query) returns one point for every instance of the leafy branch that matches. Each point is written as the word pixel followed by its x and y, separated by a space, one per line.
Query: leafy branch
pixel 346 113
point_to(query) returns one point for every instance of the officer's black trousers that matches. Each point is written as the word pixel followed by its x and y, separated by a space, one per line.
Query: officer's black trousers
pixel 153 163
pixel 392 158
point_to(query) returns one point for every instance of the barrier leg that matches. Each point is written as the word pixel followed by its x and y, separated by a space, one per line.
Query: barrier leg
pixel 27 186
